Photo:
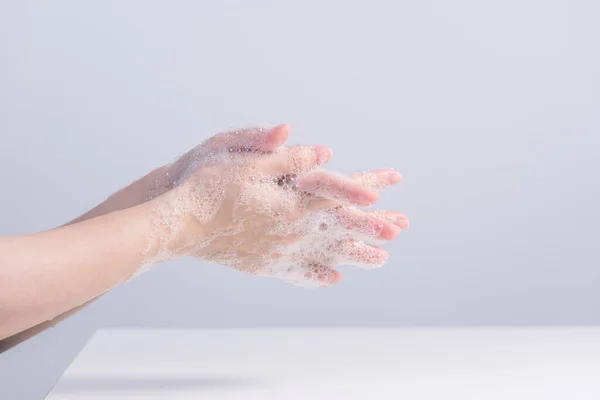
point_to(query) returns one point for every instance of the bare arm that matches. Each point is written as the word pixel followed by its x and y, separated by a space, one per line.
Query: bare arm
pixel 74 264
pixel 134 194
pixel 45 274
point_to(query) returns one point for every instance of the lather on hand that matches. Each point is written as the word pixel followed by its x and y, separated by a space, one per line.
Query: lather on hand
pixel 240 198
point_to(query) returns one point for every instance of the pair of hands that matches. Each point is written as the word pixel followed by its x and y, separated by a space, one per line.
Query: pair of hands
pixel 244 200
pixel 241 199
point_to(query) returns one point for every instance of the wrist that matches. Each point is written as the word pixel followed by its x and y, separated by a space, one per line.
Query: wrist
pixel 174 232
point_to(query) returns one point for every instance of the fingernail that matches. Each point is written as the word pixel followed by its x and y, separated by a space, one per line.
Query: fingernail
pixel 323 154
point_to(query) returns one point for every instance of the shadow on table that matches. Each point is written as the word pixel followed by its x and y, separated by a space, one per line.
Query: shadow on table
pixel 121 384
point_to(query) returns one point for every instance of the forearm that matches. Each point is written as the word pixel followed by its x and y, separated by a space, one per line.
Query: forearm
pixel 136 193
pixel 69 266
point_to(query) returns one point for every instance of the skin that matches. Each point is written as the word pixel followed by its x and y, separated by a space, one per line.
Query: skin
pixel 46 277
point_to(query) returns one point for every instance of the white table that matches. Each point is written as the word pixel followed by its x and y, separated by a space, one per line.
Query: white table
pixel 406 364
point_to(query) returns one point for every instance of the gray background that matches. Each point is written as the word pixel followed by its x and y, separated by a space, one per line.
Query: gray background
pixel 490 109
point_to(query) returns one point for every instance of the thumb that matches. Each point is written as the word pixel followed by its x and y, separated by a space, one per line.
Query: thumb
pixel 255 138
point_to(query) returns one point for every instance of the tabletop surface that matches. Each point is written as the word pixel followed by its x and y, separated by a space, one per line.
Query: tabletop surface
pixel 408 363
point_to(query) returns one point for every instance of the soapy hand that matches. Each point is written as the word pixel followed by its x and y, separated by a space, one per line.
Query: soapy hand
pixel 242 199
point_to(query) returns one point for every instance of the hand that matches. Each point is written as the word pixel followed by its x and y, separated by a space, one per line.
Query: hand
pixel 293 221
pixel 241 199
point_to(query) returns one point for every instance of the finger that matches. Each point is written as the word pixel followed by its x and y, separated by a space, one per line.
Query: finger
pixel 332 186
pixel 322 275
pixel 365 224
pixel 255 138
pixel 337 278
pixel 294 160
pixel 396 218
pixel 276 137
pixel 321 204
pixel 359 253
pixel 372 180
pixel 378 179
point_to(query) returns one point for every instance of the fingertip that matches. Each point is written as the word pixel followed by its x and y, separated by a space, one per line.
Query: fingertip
pixel 324 154
pixel 400 220
pixel 337 278
pixel 332 277
pixel 389 231
pixel 370 256
pixel 369 198
pixel 403 223
pixel 387 175
pixel 278 135
pixel 394 177
pixel 396 218
pixel 382 257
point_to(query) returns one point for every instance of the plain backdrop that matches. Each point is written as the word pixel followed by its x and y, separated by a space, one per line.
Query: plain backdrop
pixel 490 110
